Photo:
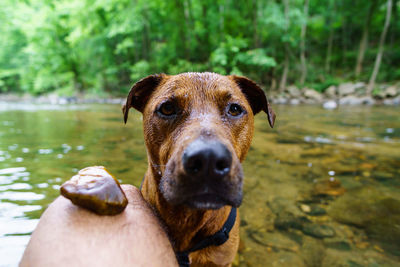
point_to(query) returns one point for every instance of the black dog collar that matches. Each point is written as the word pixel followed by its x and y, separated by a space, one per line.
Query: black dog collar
pixel 216 239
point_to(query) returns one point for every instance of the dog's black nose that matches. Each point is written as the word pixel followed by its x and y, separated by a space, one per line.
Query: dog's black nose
pixel 208 159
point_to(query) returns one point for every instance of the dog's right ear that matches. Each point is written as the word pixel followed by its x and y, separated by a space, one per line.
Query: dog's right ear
pixel 140 93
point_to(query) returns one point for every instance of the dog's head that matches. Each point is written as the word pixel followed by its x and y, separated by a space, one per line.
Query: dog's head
pixel 198 128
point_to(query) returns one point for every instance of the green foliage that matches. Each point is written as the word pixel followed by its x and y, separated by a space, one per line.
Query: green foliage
pixel 323 85
pixel 232 56
pixel 140 69
pixel 105 45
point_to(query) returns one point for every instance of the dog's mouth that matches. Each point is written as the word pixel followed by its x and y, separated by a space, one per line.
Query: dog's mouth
pixel 202 196
pixel 207 201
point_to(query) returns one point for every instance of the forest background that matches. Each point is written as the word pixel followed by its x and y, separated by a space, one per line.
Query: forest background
pixel 103 46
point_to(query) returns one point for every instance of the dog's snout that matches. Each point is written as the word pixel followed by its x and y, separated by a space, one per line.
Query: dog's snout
pixel 207 159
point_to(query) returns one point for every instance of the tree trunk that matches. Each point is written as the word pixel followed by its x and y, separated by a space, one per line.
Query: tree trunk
pixel 330 38
pixel 329 51
pixel 303 45
pixel 221 11
pixel 378 60
pixel 146 35
pixel 187 6
pixel 282 84
pixel 364 39
pixel 393 29
pixel 255 23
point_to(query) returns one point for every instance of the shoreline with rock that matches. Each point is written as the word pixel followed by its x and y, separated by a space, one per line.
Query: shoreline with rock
pixel 343 94
pixel 350 94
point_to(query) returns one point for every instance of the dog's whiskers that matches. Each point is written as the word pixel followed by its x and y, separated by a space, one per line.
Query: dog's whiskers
pixel 158 167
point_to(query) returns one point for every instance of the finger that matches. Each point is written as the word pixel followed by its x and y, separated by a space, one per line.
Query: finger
pixel 134 196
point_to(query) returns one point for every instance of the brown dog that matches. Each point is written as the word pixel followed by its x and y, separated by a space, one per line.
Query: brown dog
pixel 198 128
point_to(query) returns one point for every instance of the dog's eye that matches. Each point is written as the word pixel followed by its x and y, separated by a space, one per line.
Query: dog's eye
pixel 167 109
pixel 235 110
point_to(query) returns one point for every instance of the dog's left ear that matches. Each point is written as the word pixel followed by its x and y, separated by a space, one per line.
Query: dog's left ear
pixel 140 93
pixel 256 97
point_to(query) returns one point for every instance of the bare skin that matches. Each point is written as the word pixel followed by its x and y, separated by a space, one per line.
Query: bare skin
pixel 68 235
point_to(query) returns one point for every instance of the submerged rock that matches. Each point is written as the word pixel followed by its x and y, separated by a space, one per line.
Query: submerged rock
pixel 328 187
pixel 318 230
pixel 274 240
pixel 94 188
pixel 287 214
pixel 287 221
pixel 372 210
pixel 313 210
pixel 337 243
pixel 386 228
pixel 313 251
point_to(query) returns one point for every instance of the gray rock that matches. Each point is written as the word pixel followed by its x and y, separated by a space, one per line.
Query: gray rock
pixel 346 89
pixel 388 102
pixel 380 94
pixel 116 101
pixel 390 91
pixel 367 100
pixel 293 91
pixel 294 101
pixel 62 101
pixel 280 100
pixel 330 104
pixel 331 91
pixel 396 101
pixel 312 94
pixel 310 101
pixel 359 86
pixel 350 100
pixel 392 101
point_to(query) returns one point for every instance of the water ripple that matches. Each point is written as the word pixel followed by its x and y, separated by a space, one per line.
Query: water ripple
pixel 16 186
pixel 18 196
pixel 12 170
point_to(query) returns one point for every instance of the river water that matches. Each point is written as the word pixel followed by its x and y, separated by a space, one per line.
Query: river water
pixel 321 189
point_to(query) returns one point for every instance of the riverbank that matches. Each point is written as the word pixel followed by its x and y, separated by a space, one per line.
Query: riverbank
pixel 343 94
pixel 332 97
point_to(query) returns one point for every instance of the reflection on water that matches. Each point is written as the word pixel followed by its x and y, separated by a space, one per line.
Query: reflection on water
pixel 321 188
